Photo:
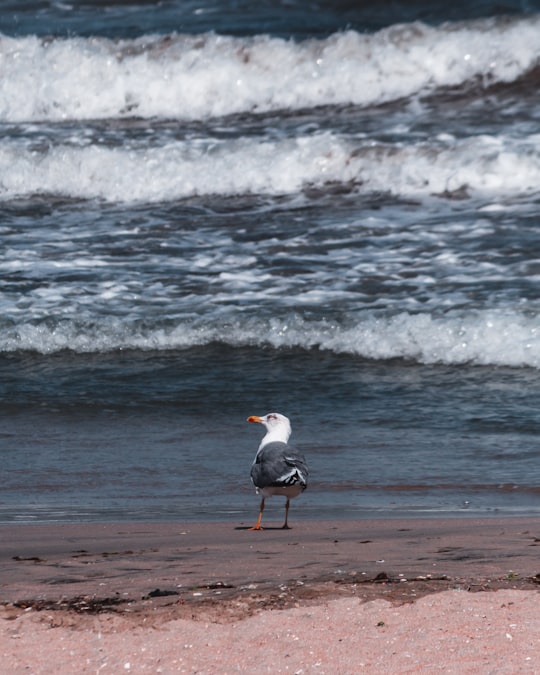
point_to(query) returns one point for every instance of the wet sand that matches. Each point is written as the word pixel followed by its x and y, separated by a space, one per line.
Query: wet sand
pixel 429 595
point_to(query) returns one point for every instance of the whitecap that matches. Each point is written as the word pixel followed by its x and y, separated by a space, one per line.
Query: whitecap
pixel 482 337
pixel 479 165
pixel 194 77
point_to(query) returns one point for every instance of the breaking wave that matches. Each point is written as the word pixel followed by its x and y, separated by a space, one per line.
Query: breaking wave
pixel 198 77
pixel 485 337
pixel 183 169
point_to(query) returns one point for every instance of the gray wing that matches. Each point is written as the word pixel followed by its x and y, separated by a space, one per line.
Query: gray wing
pixel 279 465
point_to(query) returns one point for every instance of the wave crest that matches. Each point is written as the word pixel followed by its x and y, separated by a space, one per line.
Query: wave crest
pixel 180 170
pixel 485 337
pixel 198 77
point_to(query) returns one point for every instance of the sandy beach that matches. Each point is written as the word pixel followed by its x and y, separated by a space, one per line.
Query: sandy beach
pixel 398 596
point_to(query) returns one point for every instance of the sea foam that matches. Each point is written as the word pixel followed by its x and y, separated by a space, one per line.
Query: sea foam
pixel 262 165
pixel 483 337
pixel 196 77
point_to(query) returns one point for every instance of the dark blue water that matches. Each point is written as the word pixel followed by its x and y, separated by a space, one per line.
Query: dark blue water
pixel 219 210
pixel 297 19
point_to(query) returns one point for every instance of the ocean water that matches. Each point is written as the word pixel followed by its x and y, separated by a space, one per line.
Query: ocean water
pixel 210 210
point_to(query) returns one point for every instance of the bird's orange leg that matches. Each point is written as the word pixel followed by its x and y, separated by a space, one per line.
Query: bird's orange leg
pixel 286 524
pixel 257 525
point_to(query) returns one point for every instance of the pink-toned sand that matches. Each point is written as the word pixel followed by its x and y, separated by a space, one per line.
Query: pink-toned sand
pixel 410 596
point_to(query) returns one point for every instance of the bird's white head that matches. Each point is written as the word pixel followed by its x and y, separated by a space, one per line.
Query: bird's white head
pixel 278 427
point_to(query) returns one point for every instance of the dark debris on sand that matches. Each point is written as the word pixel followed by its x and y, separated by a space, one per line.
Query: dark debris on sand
pixel 223 603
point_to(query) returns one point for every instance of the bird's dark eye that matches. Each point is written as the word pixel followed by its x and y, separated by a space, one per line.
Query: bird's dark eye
pixel 272 417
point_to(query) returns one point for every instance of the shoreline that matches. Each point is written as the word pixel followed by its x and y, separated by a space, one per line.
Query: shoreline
pixel 325 597
pixel 106 560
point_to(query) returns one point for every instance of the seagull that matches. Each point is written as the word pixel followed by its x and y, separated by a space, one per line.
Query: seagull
pixel 277 468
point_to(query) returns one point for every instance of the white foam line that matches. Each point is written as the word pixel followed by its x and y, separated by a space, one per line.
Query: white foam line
pixel 213 75
pixel 488 337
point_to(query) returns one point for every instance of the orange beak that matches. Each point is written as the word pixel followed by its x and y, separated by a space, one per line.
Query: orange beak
pixel 254 418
